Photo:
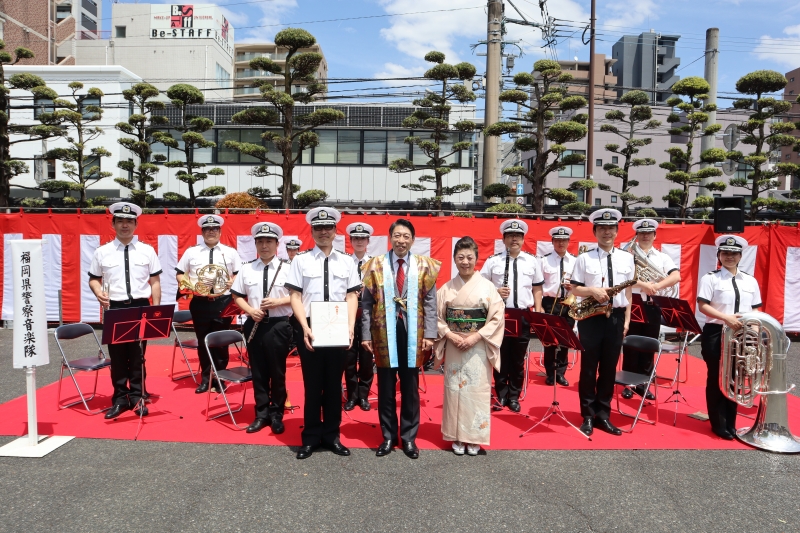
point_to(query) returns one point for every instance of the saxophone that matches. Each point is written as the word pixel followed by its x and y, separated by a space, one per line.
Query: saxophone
pixel 589 306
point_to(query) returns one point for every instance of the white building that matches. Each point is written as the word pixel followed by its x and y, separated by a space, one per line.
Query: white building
pixel 168 44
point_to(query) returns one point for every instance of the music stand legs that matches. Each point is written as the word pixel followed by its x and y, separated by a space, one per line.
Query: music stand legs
pixel 555 409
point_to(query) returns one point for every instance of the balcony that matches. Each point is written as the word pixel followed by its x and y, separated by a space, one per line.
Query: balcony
pixel 250 73
pixel 91 35
pixel 247 56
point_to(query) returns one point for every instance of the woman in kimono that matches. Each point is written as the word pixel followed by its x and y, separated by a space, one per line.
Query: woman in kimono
pixel 471 322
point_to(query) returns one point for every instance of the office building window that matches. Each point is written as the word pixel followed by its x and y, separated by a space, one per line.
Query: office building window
pixel 85 104
pixel 375 148
pixel 325 152
pixel 223 77
pixel 614 160
pixel 573 171
pixel 349 148
pixel 91 168
pixel 42 105
pixel 743 171
pixel 597 201
pixel 396 148
pixel 598 163
pixel 613 199
pixel 201 155
pixel 63 12
pixel 88 22
pixel 251 137
pixel 119 32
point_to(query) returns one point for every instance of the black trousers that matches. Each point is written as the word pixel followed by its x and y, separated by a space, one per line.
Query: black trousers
pixel 601 338
pixel 409 395
pixel 127 363
pixel 721 410
pixel 508 381
pixel 556 357
pixel 358 365
pixel 641 362
pixel 322 379
pixel 206 319
pixel 268 351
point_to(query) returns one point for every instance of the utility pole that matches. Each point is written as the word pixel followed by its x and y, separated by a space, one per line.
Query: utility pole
pixel 592 81
pixel 710 74
pixel 491 113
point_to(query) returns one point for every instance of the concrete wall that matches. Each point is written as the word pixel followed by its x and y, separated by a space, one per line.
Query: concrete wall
pixel 647 61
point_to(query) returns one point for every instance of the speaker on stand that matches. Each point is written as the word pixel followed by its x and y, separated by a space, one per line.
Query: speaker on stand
pixel 729 214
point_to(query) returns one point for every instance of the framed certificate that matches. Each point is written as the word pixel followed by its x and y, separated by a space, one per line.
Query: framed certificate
pixel 329 325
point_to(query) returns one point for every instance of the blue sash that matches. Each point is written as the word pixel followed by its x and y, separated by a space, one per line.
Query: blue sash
pixel 389 284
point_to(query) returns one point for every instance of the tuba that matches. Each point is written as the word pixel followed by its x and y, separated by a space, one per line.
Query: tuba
pixel 646 271
pixel 754 364
pixel 210 279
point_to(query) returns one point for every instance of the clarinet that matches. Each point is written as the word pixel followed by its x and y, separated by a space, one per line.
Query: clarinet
pixel 505 274
pixel 255 326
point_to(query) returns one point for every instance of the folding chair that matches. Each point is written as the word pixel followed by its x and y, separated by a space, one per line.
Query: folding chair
pixel 239 374
pixel 631 379
pixel 85 364
pixel 680 350
pixel 182 317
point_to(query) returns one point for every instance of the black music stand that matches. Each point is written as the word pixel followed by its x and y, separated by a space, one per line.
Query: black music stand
pixel 679 315
pixel 637 309
pixel 137 324
pixel 554 330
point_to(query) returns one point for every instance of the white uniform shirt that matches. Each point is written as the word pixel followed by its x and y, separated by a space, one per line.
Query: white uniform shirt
pixel 361 262
pixel 551 269
pixel 662 261
pixel 722 290
pixel 196 257
pixel 108 262
pixel 591 270
pixel 249 284
pixel 525 268
pixel 306 276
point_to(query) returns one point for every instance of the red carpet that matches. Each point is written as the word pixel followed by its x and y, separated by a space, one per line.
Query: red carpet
pixel 179 415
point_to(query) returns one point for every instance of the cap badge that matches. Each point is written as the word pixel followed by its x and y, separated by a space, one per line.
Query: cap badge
pixel 264 229
pixel 515 225
pixel 606 215
pixel 645 224
pixel 322 215
pixel 731 241
pixel 561 231
pixel 210 220
pixel 126 209
pixel 359 228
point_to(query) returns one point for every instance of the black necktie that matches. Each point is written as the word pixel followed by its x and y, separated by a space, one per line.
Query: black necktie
pixel 128 277
pixel 561 278
pixel 325 275
pixel 515 284
pixel 610 272
pixel 211 262
pixel 736 293
pixel 265 288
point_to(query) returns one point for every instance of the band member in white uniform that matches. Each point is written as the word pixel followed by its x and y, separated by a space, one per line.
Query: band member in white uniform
pixel 518 278
pixel 259 291
pixel 131 270
pixel 632 360
pixel 723 296
pixel 556 267
pixel 358 372
pixel 322 274
pixel 601 336
pixel 292 247
pixel 207 310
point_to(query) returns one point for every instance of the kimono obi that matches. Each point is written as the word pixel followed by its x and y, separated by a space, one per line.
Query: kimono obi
pixel 465 319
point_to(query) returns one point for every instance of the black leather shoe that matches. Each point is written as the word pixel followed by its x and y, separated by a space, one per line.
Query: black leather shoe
pixel 500 404
pixel 385 448
pixel 410 449
pixel 549 381
pixel 349 405
pixel 724 434
pixel 514 406
pixel 561 380
pixel 277 426
pixel 257 425
pixel 338 448
pixel 608 427
pixel 116 410
pixel 639 389
pixel 141 412
pixel 587 428
pixel 364 404
pixel 305 452
pixel 203 387
pixel 627 393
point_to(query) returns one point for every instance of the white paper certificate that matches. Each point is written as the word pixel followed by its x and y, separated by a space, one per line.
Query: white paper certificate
pixel 329 324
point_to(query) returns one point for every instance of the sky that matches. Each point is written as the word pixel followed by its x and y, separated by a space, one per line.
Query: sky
pixel 387 38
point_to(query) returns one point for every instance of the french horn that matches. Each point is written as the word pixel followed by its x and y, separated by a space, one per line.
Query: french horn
pixel 211 279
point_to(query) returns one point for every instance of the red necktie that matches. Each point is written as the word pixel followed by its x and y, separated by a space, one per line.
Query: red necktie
pixel 401 277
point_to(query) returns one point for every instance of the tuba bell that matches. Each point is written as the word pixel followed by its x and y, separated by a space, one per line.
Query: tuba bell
pixel 754 365
pixel 646 270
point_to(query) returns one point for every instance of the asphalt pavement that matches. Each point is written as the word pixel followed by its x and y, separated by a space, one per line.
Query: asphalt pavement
pixel 107 485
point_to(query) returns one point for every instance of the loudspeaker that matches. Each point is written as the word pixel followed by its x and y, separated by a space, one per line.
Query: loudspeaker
pixel 729 214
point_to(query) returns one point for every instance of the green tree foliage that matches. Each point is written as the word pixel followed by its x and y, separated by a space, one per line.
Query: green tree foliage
pixel 432 116
pixel 305 199
pixel 10 168
pixel 538 125
pixel 681 164
pixel 140 126
pixel 629 125
pixel 763 131
pixel 506 208
pixel 192 128
pixel 81 164
pixel 296 130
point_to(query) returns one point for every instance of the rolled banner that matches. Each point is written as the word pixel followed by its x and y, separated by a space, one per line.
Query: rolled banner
pixel 30 312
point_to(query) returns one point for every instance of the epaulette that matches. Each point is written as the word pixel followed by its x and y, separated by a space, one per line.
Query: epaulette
pixel 497 254
pixel 747 273
pixel 715 271
pixel 248 262
pixel 303 252
pixel 526 253
pixel 286 261
pixel 548 255
pixel 341 252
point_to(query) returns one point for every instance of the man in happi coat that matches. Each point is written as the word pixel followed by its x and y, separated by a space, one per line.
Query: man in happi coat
pixel 399 325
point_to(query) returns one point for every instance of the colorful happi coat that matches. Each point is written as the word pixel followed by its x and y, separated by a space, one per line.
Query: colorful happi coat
pixel 378 279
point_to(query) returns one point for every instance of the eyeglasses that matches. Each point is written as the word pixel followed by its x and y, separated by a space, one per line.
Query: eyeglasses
pixel 323 228
pixel 214 228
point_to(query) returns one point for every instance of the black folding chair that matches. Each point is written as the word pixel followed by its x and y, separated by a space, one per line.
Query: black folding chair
pixel 632 379
pixel 182 317
pixel 239 374
pixel 84 364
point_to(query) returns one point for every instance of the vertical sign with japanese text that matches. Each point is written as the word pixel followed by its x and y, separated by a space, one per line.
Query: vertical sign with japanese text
pixel 30 312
